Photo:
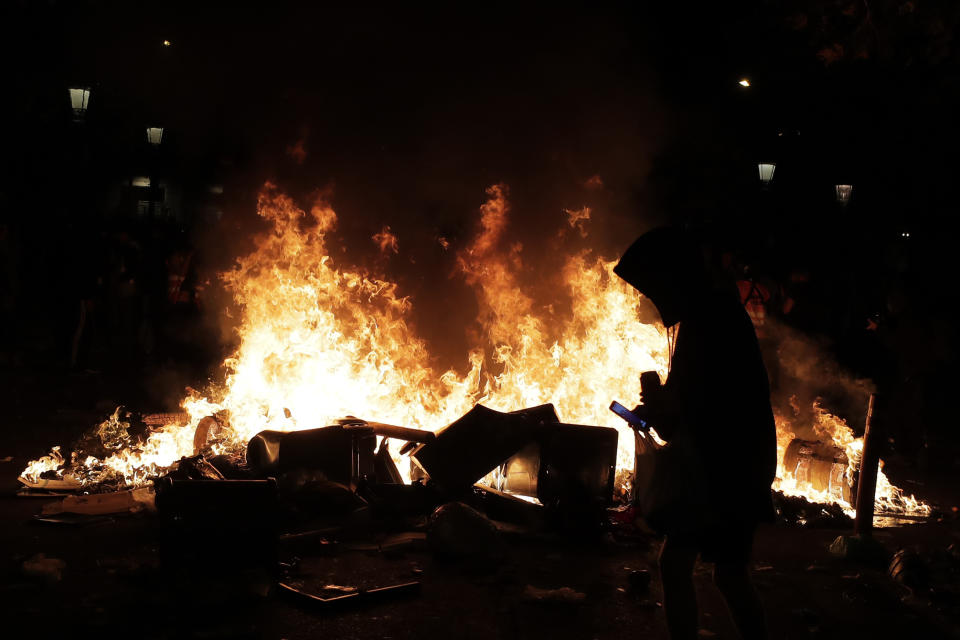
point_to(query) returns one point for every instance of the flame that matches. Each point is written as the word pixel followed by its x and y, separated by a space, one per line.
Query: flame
pixel 52 463
pixel 833 430
pixel 319 340
pixel 577 219
pixel 386 240
pixel 594 182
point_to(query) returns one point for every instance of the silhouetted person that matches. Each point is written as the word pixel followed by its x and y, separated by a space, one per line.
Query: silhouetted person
pixel 9 296
pixel 715 402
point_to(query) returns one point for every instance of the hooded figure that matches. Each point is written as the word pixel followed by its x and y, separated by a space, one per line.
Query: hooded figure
pixel 716 401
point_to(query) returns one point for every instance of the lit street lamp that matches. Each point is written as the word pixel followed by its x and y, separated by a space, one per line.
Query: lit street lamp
pixel 79 98
pixel 154 135
pixel 844 191
pixel 766 172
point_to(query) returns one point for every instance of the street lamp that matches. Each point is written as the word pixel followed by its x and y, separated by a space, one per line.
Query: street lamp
pixel 766 171
pixel 844 191
pixel 154 135
pixel 79 98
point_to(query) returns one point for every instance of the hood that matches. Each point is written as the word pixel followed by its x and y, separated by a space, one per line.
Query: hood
pixel 666 266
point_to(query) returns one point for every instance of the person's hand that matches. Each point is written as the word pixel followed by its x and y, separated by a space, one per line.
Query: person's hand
pixel 652 398
pixel 641 412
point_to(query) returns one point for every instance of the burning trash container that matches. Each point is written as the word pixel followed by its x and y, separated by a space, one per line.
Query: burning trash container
pixel 564 466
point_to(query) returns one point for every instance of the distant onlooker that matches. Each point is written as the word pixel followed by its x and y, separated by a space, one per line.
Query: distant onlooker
pixel 755 298
pixel 9 295
pixel 85 277
pixel 178 269
pixel 799 307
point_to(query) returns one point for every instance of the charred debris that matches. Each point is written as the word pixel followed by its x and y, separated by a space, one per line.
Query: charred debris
pixel 523 467
pixel 522 461
pixel 273 519
pixel 316 492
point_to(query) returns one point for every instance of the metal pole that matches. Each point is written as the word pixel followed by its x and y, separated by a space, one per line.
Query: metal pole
pixel 867 478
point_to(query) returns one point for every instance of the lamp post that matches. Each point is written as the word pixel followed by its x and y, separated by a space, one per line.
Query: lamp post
pixel 844 191
pixel 79 99
pixel 154 135
pixel 766 170
pixel 154 138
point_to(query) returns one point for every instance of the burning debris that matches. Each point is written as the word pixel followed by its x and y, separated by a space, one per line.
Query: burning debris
pixel 798 511
pixel 825 471
pixel 536 461
pixel 526 457
pixel 319 340
pixel 122 451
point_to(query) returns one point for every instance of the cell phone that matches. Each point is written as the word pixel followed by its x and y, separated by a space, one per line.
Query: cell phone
pixel 632 419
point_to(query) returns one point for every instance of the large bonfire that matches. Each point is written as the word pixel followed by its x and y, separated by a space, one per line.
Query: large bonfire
pixel 319 341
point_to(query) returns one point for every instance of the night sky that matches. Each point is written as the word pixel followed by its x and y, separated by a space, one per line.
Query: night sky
pixel 407 113
pixel 479 90
pixel 421 100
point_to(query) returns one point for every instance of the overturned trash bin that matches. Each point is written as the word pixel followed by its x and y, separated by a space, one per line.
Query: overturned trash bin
pixel 577 462
pixel 570 470
pixel 479 442
pixel 344 453
pixel 537 456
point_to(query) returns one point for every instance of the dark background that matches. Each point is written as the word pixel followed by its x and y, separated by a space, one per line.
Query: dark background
pixel 406 114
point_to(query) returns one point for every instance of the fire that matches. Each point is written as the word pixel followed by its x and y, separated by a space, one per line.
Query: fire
pixel 52 462
pixel 386 240
pixel 319 340
pixel 577 218
pixel 834 431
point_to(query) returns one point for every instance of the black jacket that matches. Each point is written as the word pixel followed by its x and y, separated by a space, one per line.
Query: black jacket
pixel 717 392
pixel 717 396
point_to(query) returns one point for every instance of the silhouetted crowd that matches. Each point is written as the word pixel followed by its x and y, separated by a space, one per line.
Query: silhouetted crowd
pixel 117 298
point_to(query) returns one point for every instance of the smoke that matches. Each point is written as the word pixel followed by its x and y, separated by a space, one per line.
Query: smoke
pixel 803 372
pixel 408 126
